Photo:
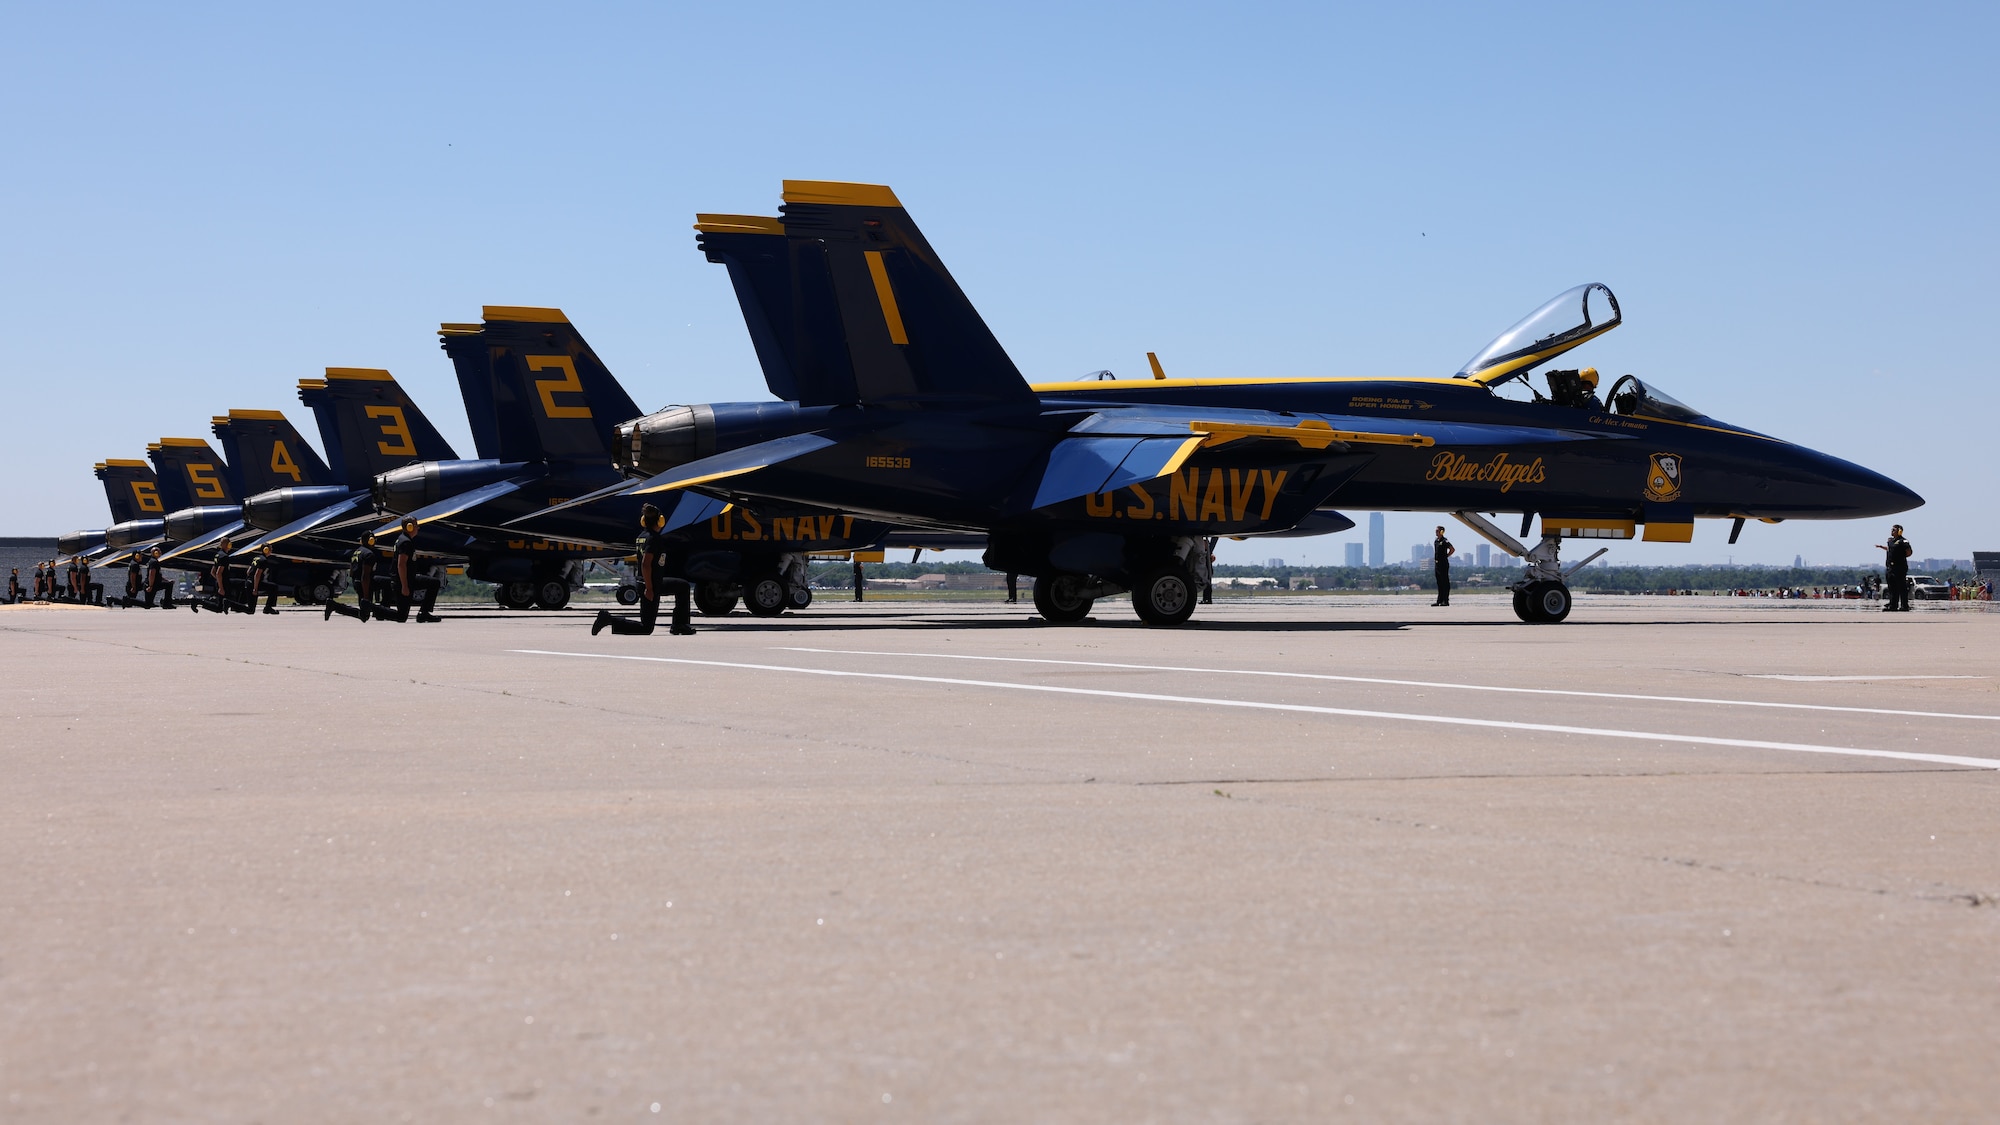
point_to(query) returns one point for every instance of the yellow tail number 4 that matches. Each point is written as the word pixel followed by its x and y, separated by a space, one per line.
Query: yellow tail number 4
pixel 147 494
pixel 281 462
pixel 207 486
pixel 548 388
pixel 394 425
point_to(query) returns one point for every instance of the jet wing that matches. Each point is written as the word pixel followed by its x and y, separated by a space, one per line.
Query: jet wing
pixel 453 505
pixel 314 521
pixel 734 463
pixel 203 542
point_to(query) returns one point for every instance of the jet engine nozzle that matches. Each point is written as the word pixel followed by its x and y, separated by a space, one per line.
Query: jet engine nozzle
pixel 665 440
pixel 269 511
pixel 408 488
pixel 122 535
pixel 77 542
pixel 193 523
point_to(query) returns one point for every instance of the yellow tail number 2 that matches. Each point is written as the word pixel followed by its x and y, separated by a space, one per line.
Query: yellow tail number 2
pixel 548 388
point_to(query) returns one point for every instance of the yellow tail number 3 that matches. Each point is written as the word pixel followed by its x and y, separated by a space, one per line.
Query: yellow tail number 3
pixel 394 425
pixel 548 388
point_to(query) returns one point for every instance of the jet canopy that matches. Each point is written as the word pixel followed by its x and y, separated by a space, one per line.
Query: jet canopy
pixel 1583 313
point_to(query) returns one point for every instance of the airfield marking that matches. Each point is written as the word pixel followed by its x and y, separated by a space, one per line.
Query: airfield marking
pixel 1844 679
pixel 1436 684
pixel 1348 712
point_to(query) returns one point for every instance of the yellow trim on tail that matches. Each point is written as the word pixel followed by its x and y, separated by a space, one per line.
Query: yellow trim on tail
pixel 259 415
pixel 891 315
pixel 523 314
pixel 836 192
pixel 360 374
pixel 738 224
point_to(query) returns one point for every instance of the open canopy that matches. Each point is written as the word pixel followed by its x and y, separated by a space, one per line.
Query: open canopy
pixel 1583 313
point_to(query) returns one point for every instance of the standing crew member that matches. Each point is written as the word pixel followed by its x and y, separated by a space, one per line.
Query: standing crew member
pixel 1441 552
pixel 652 544
pixel 14 587
pixel 1897 566
pixel 260 578
pixel 156 582
pixel 1208 576
pixel 859 581
pixel 1013 587
pixel 361 575
pixel 408 580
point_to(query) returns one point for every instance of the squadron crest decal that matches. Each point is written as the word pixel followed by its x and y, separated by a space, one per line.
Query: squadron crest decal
pixel 1663 478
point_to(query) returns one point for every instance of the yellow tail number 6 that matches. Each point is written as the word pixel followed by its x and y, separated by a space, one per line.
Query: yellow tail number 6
pixel 147 494
pixel 547 388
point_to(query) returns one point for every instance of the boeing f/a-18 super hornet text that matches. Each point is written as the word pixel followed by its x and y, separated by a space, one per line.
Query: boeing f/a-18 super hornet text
pixel 898 403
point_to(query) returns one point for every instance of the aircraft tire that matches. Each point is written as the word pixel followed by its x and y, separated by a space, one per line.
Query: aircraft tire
pixel 1164 596
pixel 515 595
pixel 1550 602
pixel 713 599
pixel 765 596
pixel 628 595
pixel 1521 606
pixel 1058 602
pixel 553 594
pixel 801 597
pixel 322 592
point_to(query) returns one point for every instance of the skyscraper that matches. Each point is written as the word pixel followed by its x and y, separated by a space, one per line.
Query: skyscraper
pixel 1484 552
pixel 1375 537
pixel 1353 554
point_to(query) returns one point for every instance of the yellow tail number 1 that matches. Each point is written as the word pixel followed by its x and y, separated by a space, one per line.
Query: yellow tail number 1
pixel 548 388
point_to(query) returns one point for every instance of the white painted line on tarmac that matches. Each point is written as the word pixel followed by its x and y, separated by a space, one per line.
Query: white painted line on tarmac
pixel 1844 679
pixel 1302 708
pixel 1417 683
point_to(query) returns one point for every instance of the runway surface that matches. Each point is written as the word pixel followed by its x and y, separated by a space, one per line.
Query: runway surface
pixel 1306 859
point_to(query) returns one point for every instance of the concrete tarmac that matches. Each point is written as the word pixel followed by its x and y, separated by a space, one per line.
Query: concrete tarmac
pixel 1303 860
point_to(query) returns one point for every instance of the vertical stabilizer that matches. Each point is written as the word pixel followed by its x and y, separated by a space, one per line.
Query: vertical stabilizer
pixel 200 477
pixel 133 490
pixel 269 452
pixel 552 398
pixel 372 423
pixel 754 251
pixel 911 335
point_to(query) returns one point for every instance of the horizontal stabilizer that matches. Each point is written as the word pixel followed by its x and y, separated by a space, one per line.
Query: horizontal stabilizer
pixel 453 505
pixel 204 541
pixel 1084 464
pixel 734 463
pixel 313 521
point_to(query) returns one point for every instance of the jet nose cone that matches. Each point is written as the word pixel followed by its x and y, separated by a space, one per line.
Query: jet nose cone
pixel 1866 492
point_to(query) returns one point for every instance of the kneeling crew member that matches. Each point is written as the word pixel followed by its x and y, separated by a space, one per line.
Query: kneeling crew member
pixel 156 582
pixel 1441 552
pixel 135 577
pixel 361 574
pixel 652 544
pixel 408 580
pixel 260 581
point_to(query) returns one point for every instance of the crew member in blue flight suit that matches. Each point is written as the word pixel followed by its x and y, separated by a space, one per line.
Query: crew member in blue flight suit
pixel 409 580
pixel 652 544
pixel 1897 570
pixel 361 563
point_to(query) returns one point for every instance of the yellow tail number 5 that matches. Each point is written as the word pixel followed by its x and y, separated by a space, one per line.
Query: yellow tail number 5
pixel 548 388
pixel 207 486
pixel 394 425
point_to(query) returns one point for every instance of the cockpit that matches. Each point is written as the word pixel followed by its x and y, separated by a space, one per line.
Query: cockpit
pixel 1571 319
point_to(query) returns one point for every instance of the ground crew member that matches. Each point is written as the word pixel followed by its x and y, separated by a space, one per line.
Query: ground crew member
pixel 260 581
pixel 1897 568
pixel 408 580
pixel 1013 587
pixel 1441 552
pixel 1208 577
pixel 218 575
pixel 69 577
pixel 14 587
pixel 135 568
pixel 156 582
pixel 41 582
pixel 653 581
pixel 859 581
pixel 361 573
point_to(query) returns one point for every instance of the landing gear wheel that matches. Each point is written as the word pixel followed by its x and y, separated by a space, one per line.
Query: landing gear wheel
pixel 1164 596
pixel 515 595
pixel 1521 605
pixel 714 599
pixel 1548 602
pixel 321 592
pixel 1059 600
pixel 628 595
pixel 553 594
pixel 766 596
pixel 801 597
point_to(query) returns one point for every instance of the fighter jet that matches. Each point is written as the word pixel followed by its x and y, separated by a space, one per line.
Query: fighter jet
pixel 133 493
pixel 907 409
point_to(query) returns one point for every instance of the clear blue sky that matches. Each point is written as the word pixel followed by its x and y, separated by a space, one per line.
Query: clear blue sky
pixel 1795 205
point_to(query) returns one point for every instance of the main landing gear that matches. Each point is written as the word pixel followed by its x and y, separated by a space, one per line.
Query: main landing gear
pixel 1542 595
pixel 1165 588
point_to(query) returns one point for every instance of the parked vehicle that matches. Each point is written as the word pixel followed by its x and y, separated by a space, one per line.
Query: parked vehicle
pixel 1925 588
